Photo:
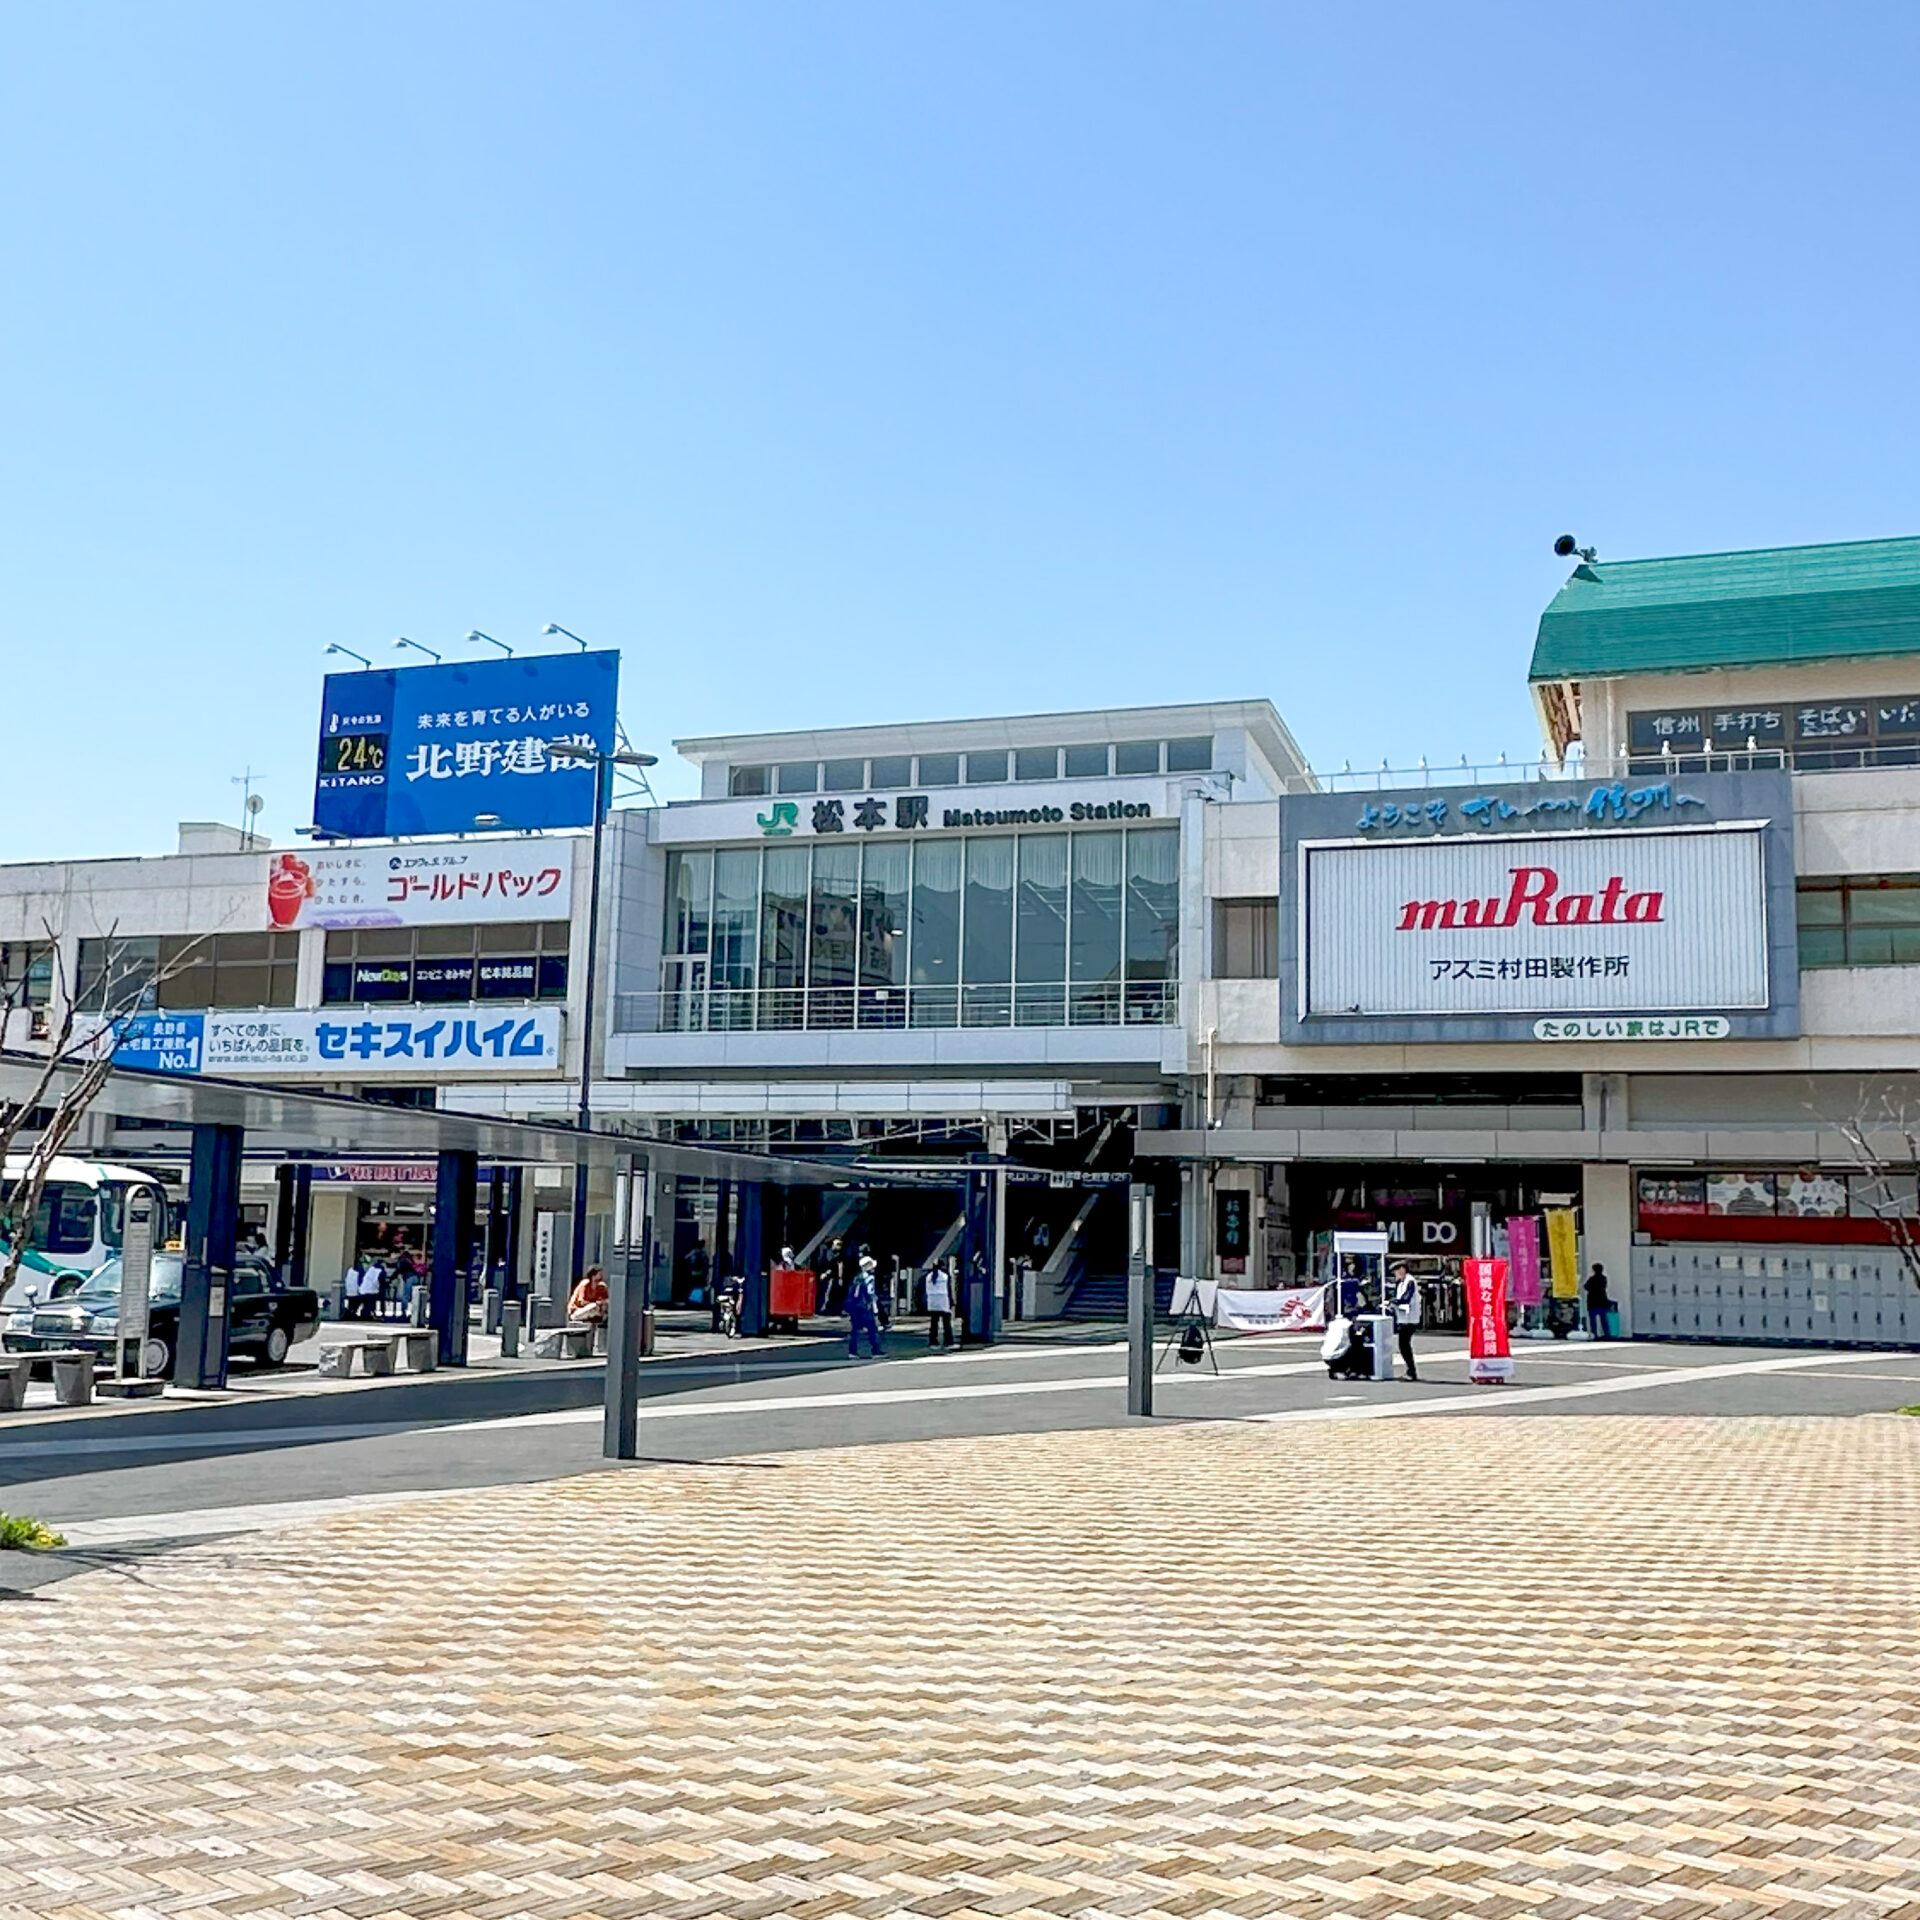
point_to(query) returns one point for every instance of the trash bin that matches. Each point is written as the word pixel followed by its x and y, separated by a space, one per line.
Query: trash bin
pixel 1379 1327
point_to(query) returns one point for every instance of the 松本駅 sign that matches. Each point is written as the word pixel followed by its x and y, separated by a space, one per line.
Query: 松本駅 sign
pixel 1663 921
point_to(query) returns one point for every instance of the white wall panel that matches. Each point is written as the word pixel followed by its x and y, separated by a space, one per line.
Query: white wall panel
pixel 1654 922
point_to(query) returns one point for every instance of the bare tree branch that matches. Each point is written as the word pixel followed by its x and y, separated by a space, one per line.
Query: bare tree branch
pixel 1883 1141
pixel 80 1059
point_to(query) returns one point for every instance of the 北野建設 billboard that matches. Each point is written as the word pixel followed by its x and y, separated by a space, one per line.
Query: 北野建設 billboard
pixel 443 749
pixel 1657 922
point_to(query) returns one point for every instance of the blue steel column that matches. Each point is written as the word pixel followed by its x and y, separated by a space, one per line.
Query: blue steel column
pixel 751 1265
pixel 453 1197
pixel 213 1218
pixel 298 1250
pixel 511 1287
pixel 976 1275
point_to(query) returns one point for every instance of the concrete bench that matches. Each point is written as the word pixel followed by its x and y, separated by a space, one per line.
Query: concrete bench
pixel 420 1347
pixel 72 1377
pixel 575 1341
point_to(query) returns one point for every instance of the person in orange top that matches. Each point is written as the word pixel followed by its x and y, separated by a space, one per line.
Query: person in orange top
pixel 587 1303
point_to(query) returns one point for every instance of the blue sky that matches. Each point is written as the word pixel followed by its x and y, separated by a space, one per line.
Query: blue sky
pixel 852 362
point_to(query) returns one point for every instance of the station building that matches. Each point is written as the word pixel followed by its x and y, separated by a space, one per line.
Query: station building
pixel 400 971
pixel 1670 979
pixel 1666 979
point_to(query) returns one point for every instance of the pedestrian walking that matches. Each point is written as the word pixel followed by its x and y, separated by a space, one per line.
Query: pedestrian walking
pixel 939 1307
pixel 863 1305
pixel 1599 1307
pixel 840 1269
pixel 696 1266
pixel 1406 1316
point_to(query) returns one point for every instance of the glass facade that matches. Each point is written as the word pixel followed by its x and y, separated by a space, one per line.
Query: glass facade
pixel 422 965
pixel 990 930
pixel 183 972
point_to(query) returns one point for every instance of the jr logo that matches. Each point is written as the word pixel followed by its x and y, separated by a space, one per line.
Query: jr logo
pixel 781 821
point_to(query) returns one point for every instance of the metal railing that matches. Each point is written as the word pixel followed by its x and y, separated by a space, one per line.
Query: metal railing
pixel 1503 772
pixel 1802 756
pixel 1136 1003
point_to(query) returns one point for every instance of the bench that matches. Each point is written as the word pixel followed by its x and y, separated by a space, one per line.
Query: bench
pixel 577 1340
pixel 421 1347
pixel 72 1377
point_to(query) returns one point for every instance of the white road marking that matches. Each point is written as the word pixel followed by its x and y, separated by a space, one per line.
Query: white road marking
pixel 653 1410
pixel 1496 1399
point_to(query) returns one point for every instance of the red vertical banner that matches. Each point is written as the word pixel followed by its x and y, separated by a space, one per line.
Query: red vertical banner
pixel 1488 1360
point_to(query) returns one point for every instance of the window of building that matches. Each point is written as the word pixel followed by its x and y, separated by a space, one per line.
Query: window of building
pixel 844 776
pixel 1862 920
pixel 184 973
pixel 521 960
pixel 1036 763
pixel 939 770
pixel 1086 763
pixel 746 783
pixel 26 973
pixel 986 769
pixel 1030 929
pixel 1246 939
pixel 798 776
pixel 1190 756
pixel 892 770
pixel 1137 756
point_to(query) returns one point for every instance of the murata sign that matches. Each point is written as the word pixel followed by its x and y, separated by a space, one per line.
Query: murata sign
pixel 1664 921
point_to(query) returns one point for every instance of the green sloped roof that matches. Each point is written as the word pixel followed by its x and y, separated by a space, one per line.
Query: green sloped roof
pixel 1765 608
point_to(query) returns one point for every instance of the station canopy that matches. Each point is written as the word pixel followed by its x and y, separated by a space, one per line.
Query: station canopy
pixel 299 1125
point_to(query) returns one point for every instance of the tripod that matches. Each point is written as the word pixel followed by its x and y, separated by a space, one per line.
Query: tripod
pixel 1192 1336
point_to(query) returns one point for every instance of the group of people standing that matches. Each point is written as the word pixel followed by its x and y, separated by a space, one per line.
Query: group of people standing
pixel 850 1284
pixel 373 1280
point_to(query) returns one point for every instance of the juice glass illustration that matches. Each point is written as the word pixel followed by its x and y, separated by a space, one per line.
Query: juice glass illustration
pixel 289 887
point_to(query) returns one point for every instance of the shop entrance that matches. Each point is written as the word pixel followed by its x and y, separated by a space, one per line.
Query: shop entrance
pixel 1428 1214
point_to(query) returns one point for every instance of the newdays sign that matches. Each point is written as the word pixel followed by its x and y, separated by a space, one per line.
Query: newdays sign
pixel 1668 920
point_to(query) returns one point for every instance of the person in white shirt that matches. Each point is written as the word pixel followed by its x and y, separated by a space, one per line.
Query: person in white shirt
pixel 363 1290
pixel 1405 1300
pixel 939 1307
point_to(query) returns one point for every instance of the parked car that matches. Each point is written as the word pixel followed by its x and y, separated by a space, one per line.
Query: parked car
pixel 264 1317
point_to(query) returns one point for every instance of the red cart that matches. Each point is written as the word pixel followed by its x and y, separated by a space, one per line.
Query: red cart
pixel 791 1295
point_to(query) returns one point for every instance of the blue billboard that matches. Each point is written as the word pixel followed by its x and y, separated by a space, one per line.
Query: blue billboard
pixel 444 749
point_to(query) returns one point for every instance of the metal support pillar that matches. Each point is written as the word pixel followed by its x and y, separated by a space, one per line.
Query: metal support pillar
pixel 721 1264
pixel 213 1218
pixel 495 1255
pixel 629 1324
pixel 453 1197
pixel 299 1257
pixel 283 1179
pixel 751 1265
pixel 1139 1298
pixel 978 1304
pixel 512 1284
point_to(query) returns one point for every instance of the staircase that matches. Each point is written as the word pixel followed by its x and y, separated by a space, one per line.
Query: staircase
pixel 1103 1296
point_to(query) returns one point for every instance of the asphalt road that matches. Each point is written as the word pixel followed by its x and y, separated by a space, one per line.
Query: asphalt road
pixel 172 1473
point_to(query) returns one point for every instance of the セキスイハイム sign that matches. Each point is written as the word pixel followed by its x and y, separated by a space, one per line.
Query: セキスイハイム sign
pixel 361 1042
pixel 1663 921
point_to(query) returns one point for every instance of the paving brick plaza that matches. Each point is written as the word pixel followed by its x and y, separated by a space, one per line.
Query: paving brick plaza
pixel 1555 1667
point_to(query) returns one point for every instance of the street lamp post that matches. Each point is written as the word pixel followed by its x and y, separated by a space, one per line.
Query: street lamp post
pixel 603 764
